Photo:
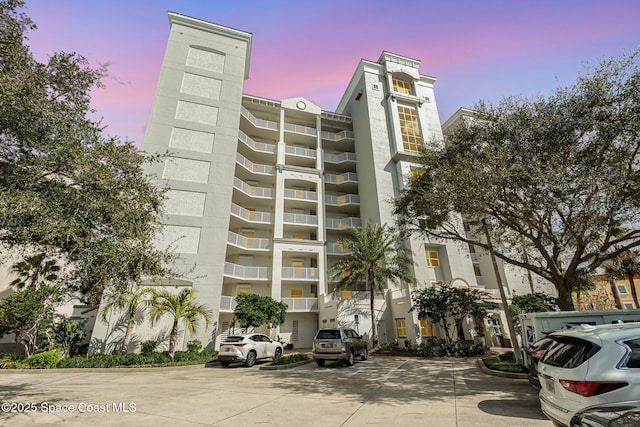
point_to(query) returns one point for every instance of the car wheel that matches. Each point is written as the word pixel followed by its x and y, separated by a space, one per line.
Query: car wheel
pixel 251 359
pixel 365 354
pixel 320 362
pixel 278 353
pixel 225 364
pixel 351 360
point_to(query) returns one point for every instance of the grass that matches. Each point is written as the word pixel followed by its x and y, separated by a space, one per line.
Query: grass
pixel 498 364
pixel 286 360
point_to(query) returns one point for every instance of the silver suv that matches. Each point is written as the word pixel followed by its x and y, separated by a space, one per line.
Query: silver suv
pixel 339 344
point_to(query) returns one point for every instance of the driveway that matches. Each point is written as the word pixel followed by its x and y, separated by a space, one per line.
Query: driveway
pixel 381 391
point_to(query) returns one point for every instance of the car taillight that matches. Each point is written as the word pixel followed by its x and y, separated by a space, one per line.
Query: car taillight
pixel 591 388
pixel 537 354
pixel 242 344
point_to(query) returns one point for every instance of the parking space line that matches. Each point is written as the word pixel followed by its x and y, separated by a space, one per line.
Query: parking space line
pixel 395 370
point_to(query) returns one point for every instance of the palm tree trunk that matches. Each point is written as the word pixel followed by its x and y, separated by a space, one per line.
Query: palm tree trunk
pixel 374 328
pixel 173 339
pixel 614 290
pixel 127 337
pixel 634 291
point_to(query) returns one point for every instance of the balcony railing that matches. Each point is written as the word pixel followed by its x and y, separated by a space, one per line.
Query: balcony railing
pixel 337 249
pixel 260 123
pixel 339 157
pixel 331 136
pixel 342 178
pixel 251 216
pixel 245 272
pixel 290 193
pixel 255 145
pixel 300 151
pixel 227 303
pixel 300 273
pixel 399 293
pixel 248 242
pixel 252 190
pixel 293 218
pixel 301 304
pixel 255 167
pixel 345 199
pixel 305 130
pixel 343 223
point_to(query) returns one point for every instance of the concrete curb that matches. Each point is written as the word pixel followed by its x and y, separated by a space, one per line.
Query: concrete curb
pixel 289 366
pixel 495 373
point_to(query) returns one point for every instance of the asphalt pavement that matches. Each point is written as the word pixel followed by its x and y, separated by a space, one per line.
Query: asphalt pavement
pixel 384 390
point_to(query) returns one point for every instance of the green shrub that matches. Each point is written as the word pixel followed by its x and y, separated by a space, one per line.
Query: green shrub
pixel 45 360
pixel 12 361
pixel 509 356
pixel 286 360
pixel 133 360
pixel 194 346
pixel 148 347
pixel 442 348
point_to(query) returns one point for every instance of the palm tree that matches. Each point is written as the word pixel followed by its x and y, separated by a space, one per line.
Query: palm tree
pixel 132 303
pixel 34 270
pixel 376 256
pixel 612 268
pixel 182 307
pixel 629 267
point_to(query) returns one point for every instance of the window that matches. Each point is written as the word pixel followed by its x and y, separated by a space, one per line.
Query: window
pixel 497 328
pixel 437 283
pixel 243 289
pixel 296 293
pixel 622 289
pixel 294 331
pixel 569 352
pixel 344 294
pixel 330 334
pixel 401 326
pixel 415 173
pixel 297 236
pixel 432 258
pixel 629 305
pixel 426 328
pixel 401 86
pixel 297 264
pixel 476 270
pixel 634 357
pixel 410 129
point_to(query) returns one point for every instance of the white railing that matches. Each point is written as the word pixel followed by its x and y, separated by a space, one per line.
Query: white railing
pixel 305 130
pixel 343 223
pixel 251 216
pixel 293 218
pixel 248 242
pixel 290 193
pixel 252 190
pixel 245 272
pixel 302 273
pixel 227 303
pixel 360 295
pixel 261 123
pixel 337 249
pixel 300 151
pixel 399 293
pixel 257 146
pixel 301 304
pixel 333 178
pixel 339 157
pixel 331 136
pixel 345 199
pixel 255 167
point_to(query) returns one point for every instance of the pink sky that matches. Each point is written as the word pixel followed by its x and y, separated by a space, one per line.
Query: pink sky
pixel 477 49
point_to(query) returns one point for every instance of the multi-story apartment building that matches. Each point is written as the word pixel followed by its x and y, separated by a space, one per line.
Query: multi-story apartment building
pixel 261 191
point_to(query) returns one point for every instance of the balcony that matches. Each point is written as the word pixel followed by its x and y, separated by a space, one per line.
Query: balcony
pixel 251 190
pixel 337 249
pixel 245 272
pixel 339 157
pixel 343 178
pixel 259 123
pixel 300 273
pixel 227 304
pixel 331 136
pixel 248 243
pixel 300 151
pixel 290 193
pixel 342 200
pixel 256 146
pixel 343 223
pixel 255 167
pixel 301 304
pixel 251 216
pixel 300 219
pixel 304 130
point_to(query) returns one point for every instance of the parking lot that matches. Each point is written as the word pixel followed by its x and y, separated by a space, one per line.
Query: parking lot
pixel 380 391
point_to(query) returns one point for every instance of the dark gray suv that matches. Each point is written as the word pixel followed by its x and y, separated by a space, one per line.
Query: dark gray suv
pixel 339 344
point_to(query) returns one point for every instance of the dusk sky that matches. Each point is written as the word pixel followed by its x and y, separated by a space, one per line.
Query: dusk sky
pixel 477 49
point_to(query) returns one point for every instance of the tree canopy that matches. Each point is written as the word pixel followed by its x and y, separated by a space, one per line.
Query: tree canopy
pixel 555 178
pixel 253 310
pixel 65 187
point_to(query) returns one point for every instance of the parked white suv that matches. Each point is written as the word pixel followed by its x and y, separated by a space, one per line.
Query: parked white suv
pixel 248 348
pixel 589 365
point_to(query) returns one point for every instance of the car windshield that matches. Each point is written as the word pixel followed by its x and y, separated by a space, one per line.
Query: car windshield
pixel 330 334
